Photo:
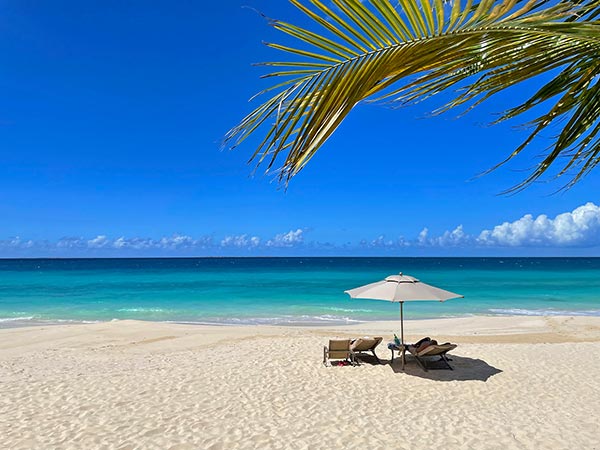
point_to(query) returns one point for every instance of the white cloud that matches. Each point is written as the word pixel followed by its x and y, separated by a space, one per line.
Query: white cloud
pixel 422 238
pixel 181 241
pixel 71 242
pixel 454 238
pixel 100 241
pixel 579 227
pixel 18 243
pixel 241 241
pixel 289 239
pixel 134 243
pixel 175 242
pixel 382 242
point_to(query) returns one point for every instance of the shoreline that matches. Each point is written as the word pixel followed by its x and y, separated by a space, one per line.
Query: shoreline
pixel 469 329
pixel 303 320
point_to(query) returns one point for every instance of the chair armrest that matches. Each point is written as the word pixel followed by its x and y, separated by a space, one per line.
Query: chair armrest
pixel 412 349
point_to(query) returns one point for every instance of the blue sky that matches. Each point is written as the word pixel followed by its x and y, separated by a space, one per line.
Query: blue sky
pixel 110 125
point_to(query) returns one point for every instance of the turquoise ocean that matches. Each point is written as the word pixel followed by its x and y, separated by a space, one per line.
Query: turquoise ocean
pixel 288 291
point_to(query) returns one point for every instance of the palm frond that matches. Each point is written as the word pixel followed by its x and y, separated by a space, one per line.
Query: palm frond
pixel 418 48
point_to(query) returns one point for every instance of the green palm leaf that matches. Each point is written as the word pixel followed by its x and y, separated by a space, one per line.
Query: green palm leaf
pixel 406 53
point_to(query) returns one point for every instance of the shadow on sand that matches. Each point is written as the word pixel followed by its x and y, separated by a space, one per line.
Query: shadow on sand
pixel 464 369
pixel 365 358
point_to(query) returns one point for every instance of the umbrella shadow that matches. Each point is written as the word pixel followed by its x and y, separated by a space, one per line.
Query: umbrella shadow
pixel 465 369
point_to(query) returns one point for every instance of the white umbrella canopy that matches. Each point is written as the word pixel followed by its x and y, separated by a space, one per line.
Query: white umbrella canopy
pixel 401 288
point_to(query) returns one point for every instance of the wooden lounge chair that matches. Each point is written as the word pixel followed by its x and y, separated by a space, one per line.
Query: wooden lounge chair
pixel 365 344
pixel 338 349
pixel 432 350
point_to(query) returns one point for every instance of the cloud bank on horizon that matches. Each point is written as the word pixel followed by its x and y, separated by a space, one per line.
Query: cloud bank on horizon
pixel 579 228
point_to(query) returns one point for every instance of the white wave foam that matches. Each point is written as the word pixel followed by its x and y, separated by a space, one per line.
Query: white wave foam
pixel 349 310
pixel 141 310
pixel 38 319
pixel 283 320
pixel 15 319
pixel 200 322
pixel 543 312
pixel 27 321
pixel 70 321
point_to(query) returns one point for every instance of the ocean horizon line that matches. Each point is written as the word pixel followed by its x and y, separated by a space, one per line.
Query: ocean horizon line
pixel 33 258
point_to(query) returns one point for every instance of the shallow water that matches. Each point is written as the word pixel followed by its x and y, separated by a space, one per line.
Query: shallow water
pixel 286 290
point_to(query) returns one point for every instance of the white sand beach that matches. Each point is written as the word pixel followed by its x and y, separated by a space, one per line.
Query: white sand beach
pixel 518 383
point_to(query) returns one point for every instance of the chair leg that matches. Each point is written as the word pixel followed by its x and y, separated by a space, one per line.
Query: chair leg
pixel 376 357
pixel 446 359
pixel 421 363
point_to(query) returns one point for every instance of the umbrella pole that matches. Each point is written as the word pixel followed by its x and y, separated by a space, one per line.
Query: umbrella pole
pixel 402 334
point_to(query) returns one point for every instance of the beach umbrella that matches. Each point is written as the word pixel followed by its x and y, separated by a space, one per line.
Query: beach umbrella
pixel 401 288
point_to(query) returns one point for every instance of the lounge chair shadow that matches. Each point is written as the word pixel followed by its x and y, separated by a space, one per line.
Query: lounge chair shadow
pixel 363 358
pixel 465 369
